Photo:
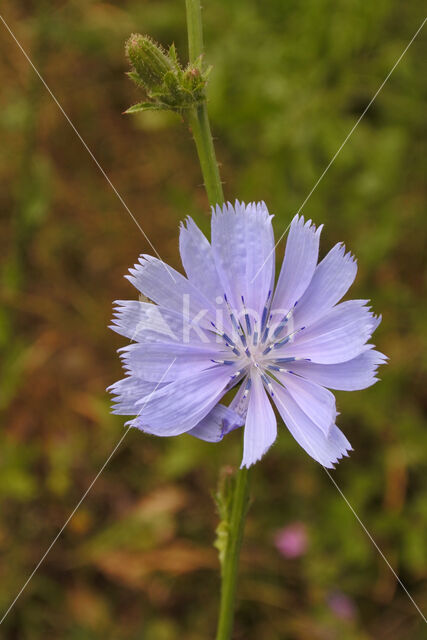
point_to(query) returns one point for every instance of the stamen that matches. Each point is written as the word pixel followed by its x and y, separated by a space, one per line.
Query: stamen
pixel 247 387
pixel 223 361
pixel 234 321
pixel 237 326
pixel 288 338
pixel 264 317
pixel 228 341
pixel 281 325
pixel 267 329
pixel 216 328
pixel 281 343
pixel 247 319
pixel 265 312
pixel 243 339
pixel 248 324
pixel 284 321
pixel 268 383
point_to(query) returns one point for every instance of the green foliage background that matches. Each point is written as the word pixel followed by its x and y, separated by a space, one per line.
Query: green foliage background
pixel 290 79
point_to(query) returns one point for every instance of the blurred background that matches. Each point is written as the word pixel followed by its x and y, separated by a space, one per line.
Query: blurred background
pixel 136 561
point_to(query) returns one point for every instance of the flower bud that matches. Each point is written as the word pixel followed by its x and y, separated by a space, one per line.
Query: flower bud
pixel 148 59
pixel 167 85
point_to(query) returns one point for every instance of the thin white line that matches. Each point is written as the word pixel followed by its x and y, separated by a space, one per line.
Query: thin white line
pixel 345 140
pixel 80 501
pixel 375 545
pixel 84 144
pixel 65 524
pixel 308 449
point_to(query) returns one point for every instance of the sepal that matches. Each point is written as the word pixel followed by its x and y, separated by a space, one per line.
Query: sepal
pixel 146 106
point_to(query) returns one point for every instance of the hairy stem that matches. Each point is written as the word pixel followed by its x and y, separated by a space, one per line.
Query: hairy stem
pixel 194 28
pixel 231 560
pixel 197 117
pixel 199 124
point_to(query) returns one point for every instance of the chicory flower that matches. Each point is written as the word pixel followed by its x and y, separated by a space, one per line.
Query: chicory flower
pixel 226 324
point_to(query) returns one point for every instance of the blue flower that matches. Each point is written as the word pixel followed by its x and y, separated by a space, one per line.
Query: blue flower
pixel 226 323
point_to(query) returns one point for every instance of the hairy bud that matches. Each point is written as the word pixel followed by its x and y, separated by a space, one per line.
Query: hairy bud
pixel 166 83
pixel 148 59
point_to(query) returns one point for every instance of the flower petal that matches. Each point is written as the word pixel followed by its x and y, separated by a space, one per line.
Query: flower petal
pixel 147 322
pixel 181 405
pixel 168 361
pixel 240 402
pixel 220 421
pixel 317 402
pixel 243 247
pixel 331 280
pixel 171 290
pixel 299 263
pixel 338 336
pixel 358 373
pixel 326 450
pixel 198 261
pixel 261 425
pixel 128 392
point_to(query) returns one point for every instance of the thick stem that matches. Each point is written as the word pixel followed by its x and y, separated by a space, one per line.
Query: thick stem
pixel 232 553
pixel 197 117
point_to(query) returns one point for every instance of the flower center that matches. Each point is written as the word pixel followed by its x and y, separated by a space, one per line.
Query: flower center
pixel 256 343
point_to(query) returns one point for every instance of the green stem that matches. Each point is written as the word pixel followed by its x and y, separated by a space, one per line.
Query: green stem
pixel 194 28
pixel 199 124
pixel 232 553
pixel 197 117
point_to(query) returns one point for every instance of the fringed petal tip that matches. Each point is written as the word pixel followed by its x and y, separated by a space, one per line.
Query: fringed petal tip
pixel 344 256
pixel 144 260
pixel 228 208
pixel 298 223
pixel 344 454
pixel 115 322
pixel 133 424
pixel 241 208
pixel 376 321
pixel 246 464
pixel 342 251
pixel 378 358
pixel 187 224
pixel 116 409
pixel 136 423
